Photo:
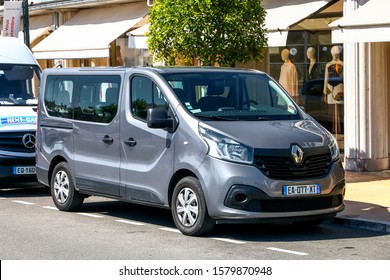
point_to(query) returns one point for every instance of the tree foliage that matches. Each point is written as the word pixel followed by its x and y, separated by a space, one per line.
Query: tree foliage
pixel 213 31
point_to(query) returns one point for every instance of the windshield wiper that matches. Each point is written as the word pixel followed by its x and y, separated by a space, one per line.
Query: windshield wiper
pixel 213 117
pixel 255 119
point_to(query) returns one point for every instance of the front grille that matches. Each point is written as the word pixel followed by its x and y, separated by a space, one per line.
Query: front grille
pixel 295 204
pixel 12 142
pixel 281 165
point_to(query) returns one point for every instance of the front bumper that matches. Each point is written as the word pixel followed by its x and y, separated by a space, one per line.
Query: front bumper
pixel 242 193
pixel 7 173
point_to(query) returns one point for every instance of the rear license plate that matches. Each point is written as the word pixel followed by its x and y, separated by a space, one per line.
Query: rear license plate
pixel 23 170
pixel 301 190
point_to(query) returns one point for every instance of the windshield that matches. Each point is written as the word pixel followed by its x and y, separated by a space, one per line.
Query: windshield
pixel 228 95
pixel 18 84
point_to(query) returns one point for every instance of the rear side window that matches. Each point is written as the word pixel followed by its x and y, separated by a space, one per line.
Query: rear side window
pixel 58 96
pixel 85 98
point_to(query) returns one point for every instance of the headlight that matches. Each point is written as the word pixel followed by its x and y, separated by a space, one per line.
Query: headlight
pixel 333 147
pixel 223 147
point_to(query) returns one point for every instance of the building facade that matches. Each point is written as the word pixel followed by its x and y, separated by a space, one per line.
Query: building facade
pixel 365 33
pixel 332 56
pixel 86 33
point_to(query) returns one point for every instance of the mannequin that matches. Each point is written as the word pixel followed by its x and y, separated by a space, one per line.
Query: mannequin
pixel 334 90
pixel 334 93
pixel 288 74
pixel 312 67
pixel 119 60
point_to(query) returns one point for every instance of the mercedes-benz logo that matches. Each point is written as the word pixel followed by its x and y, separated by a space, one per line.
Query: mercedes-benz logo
pixel 297 154
pixel 29 140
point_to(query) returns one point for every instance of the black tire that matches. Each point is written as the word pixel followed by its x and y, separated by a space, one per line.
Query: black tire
pixel 63 191
pixel 189 208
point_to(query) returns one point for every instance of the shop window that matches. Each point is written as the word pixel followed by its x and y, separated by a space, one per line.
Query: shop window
pixel 319 76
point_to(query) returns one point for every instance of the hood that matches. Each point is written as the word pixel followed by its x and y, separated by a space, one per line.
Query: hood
pixel 274 134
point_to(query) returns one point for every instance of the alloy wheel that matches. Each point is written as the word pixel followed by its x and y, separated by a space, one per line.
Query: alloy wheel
pixel 187 207
pixel 61 187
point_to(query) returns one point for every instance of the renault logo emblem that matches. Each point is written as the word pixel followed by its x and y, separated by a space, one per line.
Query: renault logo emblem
pixel 29 140
pixel 297 154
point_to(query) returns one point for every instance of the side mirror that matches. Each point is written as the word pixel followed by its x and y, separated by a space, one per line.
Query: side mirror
pixel 158 118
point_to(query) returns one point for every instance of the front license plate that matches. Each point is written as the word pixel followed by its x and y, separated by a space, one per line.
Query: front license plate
pixel 301 190
pixel 24 170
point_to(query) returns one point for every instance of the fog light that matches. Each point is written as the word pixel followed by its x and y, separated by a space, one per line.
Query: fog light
pixel 240 197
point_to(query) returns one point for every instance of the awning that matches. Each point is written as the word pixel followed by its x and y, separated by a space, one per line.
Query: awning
pixel 369 23
pixel 39 25
pixel 89 33
pixel 137 37
pixel 282 15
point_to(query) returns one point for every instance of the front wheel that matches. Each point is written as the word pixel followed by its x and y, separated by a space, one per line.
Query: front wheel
pixel 63 191
pixel 189 209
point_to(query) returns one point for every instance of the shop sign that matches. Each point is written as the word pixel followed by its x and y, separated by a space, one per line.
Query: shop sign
pixel 11 18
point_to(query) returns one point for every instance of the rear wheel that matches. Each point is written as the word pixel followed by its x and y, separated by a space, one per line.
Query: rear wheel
pixel 63 191
pixel 189 209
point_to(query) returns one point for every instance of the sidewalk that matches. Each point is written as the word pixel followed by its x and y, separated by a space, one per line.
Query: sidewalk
pixel 367 201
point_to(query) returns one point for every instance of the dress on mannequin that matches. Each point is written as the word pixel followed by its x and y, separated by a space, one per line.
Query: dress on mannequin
pixel 312 72
pixel 288 74
pixel 334 89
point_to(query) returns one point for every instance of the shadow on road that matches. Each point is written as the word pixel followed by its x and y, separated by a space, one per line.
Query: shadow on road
pixel 266 232
pixel 23 190
pixel 123 210
pixel 162 218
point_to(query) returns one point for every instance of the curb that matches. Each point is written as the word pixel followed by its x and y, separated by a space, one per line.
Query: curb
pixel 356 222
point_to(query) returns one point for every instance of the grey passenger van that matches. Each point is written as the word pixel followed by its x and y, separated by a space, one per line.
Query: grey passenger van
pixel 214 145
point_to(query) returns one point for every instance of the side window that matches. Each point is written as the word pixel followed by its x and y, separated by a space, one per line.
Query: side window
pixel 58 96
pixel 144 95
pixel 97 98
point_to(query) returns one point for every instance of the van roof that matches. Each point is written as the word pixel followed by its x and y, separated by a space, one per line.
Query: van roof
pixel 159 69
pixel 195 69
pixel 14 51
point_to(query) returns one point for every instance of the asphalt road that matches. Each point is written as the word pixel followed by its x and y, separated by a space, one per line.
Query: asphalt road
pixel 31 228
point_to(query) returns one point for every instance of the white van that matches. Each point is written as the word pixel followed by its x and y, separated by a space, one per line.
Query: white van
pixel 215 145
pixel 19 77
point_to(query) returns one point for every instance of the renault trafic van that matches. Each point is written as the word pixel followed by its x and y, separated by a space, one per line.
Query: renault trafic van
pixel 19 82
pixel 215 145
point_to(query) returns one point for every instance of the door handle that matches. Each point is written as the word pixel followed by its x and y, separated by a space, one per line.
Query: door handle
pixel 130 142
pixel 107 139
